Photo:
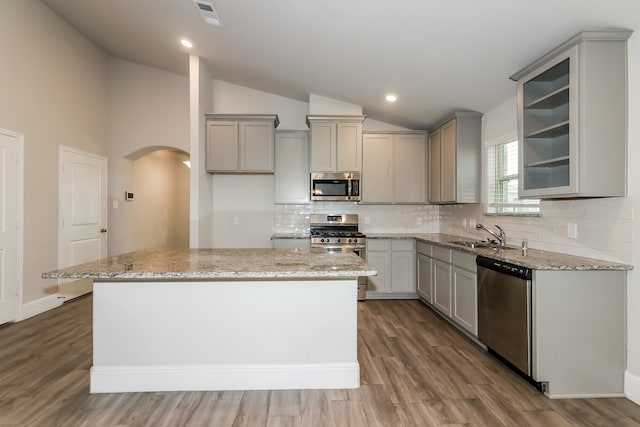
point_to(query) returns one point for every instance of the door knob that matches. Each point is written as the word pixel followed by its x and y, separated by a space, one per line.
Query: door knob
pixel 103 230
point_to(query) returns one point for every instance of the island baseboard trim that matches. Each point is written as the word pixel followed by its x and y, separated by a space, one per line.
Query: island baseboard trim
pixel 127 379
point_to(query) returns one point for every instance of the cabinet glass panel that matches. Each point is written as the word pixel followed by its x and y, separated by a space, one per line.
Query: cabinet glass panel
pixel 546 114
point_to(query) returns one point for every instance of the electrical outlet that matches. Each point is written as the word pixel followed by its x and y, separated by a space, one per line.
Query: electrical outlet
pixel 419 221
pixel 472 223
pixel 367 220
pixel 236 220
pixel 464 222
pixel 572 230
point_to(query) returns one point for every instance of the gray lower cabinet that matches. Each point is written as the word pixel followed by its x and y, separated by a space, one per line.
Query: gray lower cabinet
pixel 446 279
pixel 442 280
pixel 464 310
pixel 578 336
pixel 395 261
pixel 578 331
pixel 379 257
pixel 424 270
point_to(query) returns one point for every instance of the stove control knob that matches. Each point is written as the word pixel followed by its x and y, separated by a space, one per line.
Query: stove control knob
pixel 321 240
pixel 338 241
pixel 350 241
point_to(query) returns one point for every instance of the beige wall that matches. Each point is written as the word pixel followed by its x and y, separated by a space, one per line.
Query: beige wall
pixel 233 99
pixel 161 203
pixel 53 89
pixel 148 109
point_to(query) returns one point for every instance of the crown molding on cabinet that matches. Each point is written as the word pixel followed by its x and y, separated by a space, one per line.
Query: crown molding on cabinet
pixel 601 35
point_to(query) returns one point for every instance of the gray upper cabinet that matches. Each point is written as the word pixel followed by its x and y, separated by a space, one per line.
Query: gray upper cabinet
pixel 572 119
pixel 394 167
pixel 455 154
pixel 239 143
pixel 336 143
pixel 292 167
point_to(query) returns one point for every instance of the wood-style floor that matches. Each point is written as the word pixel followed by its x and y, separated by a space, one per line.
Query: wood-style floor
pixel 416 370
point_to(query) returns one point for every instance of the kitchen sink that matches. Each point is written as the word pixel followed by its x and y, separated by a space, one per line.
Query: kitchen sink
pixel 481 244
pixel 473 243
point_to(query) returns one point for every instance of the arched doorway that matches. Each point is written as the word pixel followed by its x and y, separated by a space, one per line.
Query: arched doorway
pixel 161 198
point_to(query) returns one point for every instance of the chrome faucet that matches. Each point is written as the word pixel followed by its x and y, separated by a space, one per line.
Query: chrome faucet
pixel 502 237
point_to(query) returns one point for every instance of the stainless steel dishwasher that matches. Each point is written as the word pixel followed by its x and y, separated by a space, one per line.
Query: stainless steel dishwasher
pixel 504 311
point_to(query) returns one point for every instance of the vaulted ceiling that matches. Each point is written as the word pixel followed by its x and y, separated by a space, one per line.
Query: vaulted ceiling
pixel 437 56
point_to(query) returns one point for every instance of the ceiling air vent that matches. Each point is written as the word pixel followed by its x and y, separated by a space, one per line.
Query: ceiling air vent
pixel 208 13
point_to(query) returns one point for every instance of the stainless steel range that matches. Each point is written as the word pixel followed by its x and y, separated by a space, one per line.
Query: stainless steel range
pixel 339 233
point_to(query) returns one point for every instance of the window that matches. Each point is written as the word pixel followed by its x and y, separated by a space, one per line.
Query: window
pixel 502 189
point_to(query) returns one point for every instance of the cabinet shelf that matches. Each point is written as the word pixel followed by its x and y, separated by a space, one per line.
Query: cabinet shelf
pixel 552 100
pixel 550 131
pixel 556 161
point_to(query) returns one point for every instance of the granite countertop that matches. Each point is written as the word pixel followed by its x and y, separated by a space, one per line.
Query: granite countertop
pixel 219 264
pixel 535 259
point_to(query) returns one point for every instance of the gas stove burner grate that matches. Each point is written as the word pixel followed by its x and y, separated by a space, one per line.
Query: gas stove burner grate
pixel 330 233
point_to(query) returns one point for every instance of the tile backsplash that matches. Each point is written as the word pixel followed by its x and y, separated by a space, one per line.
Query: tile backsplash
pixel 373 218
pixel 604 226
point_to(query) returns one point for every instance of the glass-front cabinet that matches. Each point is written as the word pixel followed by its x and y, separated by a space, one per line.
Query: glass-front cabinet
pixel 547 147
pixel 572 119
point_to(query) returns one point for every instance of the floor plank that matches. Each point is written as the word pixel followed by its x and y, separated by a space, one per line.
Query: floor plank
pixel 416 370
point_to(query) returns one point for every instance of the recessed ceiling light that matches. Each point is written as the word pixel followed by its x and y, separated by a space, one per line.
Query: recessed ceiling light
pixel 186 43
pixel 391 98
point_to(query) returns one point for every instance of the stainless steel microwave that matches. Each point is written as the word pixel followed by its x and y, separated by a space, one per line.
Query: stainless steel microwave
pixel 336 186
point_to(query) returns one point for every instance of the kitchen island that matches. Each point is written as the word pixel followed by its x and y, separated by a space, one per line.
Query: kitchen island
pixel 223 319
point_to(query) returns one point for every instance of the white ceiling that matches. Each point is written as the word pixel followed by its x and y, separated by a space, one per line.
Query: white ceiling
pixel 436 55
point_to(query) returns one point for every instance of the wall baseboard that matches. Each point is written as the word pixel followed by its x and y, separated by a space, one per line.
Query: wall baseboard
pixel 632 387
pixel 33 308
pixel 224 377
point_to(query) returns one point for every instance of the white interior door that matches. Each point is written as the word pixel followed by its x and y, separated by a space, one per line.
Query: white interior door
pixel 9 227
pixel 83 214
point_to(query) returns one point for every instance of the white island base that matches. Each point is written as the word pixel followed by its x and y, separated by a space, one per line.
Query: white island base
pixel 224 335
